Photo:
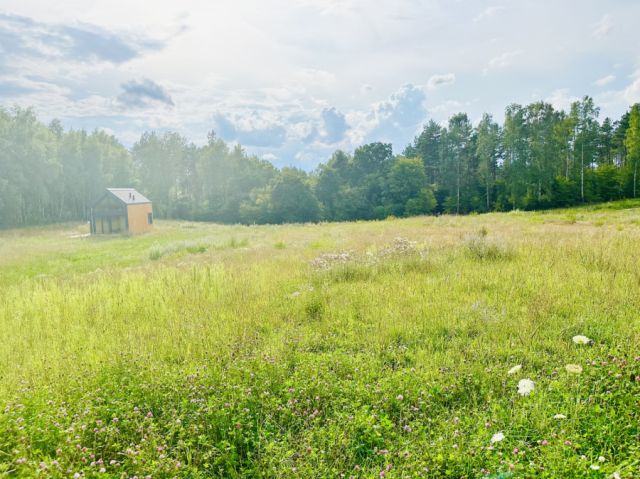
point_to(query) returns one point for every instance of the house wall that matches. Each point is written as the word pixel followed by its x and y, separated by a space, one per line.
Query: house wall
pixel 139 218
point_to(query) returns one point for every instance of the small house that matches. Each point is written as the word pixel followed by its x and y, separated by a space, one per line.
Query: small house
pixel 121 210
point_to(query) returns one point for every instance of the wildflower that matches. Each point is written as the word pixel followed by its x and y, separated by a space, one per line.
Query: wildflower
pixel 515 369
pixel 497 437
pixel 559 416
pixel 595 467
pixel 103 470
pixel 525 386
pixel 579 339
pixel 399 397
pixel 573 368
pixel 615 475
pixel 516 450
pixel 567 443
pixel 22 460
pixel 601 459
pixel 544 442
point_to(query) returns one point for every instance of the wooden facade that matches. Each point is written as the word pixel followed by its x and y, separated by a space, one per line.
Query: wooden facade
pixel 121 211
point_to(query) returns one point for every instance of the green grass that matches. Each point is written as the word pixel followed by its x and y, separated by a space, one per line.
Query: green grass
pixel 361 349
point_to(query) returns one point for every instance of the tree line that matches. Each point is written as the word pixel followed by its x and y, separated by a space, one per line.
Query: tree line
pixel 540 157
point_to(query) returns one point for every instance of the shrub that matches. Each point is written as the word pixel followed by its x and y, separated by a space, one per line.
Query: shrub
pixel 480 247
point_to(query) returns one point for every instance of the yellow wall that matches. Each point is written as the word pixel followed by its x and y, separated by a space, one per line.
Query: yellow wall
pixel 138 218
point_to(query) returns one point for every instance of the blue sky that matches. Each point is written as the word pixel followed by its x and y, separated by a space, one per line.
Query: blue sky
pixel 294 80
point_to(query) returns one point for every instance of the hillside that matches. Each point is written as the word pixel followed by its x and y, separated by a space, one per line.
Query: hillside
pixel 494 345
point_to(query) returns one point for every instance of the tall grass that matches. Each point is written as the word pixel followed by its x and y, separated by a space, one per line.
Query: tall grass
pixel 360 349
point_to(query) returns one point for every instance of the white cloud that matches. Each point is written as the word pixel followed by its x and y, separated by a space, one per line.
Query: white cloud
pixel 604 27
pixel 436 81
pixel 307 76
pixel 488 12
pixel 604 80
pixel 504 59
pixel 620 99
pixel 632 92
pixel 334 126
pixel 394 120
pixel 561 99
pixel 366 88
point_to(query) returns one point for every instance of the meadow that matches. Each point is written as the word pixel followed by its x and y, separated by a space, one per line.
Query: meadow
pixel 483 346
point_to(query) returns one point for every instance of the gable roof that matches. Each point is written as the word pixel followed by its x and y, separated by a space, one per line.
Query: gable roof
pixel 129 196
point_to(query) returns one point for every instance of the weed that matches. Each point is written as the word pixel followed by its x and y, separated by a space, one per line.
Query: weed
pixel 480 247
pixel 431 358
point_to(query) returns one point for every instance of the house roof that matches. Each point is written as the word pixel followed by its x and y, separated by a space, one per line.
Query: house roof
pixel 129 196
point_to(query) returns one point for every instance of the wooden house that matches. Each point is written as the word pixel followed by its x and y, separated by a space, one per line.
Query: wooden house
pixel 121 210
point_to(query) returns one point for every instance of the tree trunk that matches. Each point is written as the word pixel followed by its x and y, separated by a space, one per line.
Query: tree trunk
pixel 488 202
pixel 458 189
pixel 582 173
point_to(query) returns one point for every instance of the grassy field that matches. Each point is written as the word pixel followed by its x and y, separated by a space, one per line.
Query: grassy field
pixel 399 348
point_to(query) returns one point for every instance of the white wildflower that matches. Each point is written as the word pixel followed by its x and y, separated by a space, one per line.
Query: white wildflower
pixel 525 386
pixel 595 467
pixel 573 368
pixel 615 475
pixel 579 339
pixel 601 459
pixel 559 416
pixel 515 369
pixel 497 437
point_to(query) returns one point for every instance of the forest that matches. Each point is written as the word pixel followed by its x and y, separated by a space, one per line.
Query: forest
pixel 539 157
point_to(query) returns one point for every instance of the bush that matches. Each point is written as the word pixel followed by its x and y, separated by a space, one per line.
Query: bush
pixel 480 247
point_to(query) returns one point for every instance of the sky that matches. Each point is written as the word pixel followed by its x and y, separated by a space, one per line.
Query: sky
pixel 294 80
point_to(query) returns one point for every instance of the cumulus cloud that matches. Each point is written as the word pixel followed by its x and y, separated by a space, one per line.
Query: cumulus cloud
pixel 436 81
pixel 143 93
pixel 251 130
pixel 23 36
pixel 311 69
pixel 334 126
pixel 632 92
pixel 396 119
